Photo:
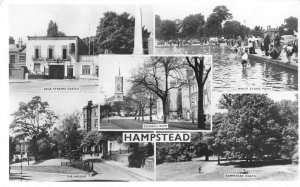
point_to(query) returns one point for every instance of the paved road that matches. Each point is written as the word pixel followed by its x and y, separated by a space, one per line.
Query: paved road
pixel 134 124
pixel 105 173
pixel 39 85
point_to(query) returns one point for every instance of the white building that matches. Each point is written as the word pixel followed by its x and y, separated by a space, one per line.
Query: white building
pixel 59 58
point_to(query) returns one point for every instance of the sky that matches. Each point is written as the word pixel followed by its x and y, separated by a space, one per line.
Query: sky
pixel 276 96
pixel 247 12
pixel 60 103
pixel 73 20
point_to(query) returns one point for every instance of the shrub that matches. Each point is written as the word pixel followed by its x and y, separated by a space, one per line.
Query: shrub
pixel 81 165
pixel 135 159
pixel 169 158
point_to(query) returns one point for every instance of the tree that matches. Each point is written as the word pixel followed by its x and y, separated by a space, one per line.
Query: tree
pixel 258 31
pixel 67 136
pixel 115 33
pixel 140 94
pixel 32 122
pixel 216 140
pixel 52 30
pixel 291 24
pixel 231 29
pixel 212 26
pixel 253 126
pixel 92 139
pixel 12 148
pixel 192 26
pixel 155 76
pixel 214 22
pixel 157 27
pixel 201 75
pixel 222 13
pixel 168 30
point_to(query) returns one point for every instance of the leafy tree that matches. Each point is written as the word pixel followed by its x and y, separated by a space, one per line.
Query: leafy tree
pixel 12 148
pixel 217 140
pixel 291 23
pixel 193 26
pixel 117 107
pixel 231 29
pixel 258 31
pixel 32 122
pixel 201 75
pixel 91 139
pixel 157 27
pixel 168 30
pixel 116 34
pixel 222 13
pixel 253 126
pixel 67 136
pixel 212 26
pixel 52 30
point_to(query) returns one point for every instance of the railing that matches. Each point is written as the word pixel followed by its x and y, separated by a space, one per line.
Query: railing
pixel 88 58
pixel 54 59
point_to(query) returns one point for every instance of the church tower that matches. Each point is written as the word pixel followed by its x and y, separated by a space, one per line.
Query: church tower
pixel 118 87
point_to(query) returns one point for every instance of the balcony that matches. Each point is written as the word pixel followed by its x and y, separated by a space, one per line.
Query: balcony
pixel 51 60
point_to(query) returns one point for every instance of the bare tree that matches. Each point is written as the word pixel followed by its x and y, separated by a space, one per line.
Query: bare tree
pixel 201 75
pixel 155 76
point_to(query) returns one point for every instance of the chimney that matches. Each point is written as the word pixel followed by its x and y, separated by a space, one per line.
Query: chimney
pixel 20 43
pixel 90 103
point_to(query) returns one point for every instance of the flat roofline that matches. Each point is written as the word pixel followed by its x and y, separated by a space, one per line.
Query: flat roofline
pixel 50 37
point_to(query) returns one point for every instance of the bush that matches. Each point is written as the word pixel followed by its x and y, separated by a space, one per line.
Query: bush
pixel 169 158
pixel 135 159
pixel 82 166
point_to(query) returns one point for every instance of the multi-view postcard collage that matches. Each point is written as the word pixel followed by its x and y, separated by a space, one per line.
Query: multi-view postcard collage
pixel 204 92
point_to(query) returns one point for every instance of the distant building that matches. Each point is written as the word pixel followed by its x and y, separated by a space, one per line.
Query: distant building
pixel 189 93
pixel 60 58
pixel 91 117
pixel 17 59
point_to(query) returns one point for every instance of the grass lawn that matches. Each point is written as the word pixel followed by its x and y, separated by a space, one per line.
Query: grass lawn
pixel 51 169
pixel 188 171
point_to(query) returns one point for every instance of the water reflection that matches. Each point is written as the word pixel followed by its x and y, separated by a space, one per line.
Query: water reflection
pixel 228 73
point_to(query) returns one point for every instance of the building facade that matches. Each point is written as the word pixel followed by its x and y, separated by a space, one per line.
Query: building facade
pixel 91 117
pixel 17 60
pixel 60 58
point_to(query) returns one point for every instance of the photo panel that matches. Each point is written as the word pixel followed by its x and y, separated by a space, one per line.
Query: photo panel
pixel 155 92
pixel 254 138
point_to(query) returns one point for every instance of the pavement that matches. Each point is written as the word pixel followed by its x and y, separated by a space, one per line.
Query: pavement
pixel 281 61
pixel 48 85
pixel 105 171
pixel 130 123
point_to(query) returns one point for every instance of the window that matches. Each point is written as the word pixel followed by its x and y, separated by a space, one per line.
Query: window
pixel 84 124
pixel 96 111
pixel 64 52
pixel 86 70
pixel 84 114
pixel 12 59
pixel 50 53
pixel 37 53
pixel 96 123
pixel 22 58
pixel 37 67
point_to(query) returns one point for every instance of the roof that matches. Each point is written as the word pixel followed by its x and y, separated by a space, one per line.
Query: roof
pixel 14 48
pixel 52 38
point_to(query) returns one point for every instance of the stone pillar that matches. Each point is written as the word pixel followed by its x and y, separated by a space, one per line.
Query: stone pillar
pixel 138 38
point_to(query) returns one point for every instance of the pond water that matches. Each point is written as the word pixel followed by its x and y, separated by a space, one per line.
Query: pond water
pixel 228 73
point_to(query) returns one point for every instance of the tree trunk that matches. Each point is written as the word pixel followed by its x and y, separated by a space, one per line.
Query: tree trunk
pixel 219 162
pixel 165 110
pixel 142 114
pixel 150 112
pixel 207 158
pixel 201 116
